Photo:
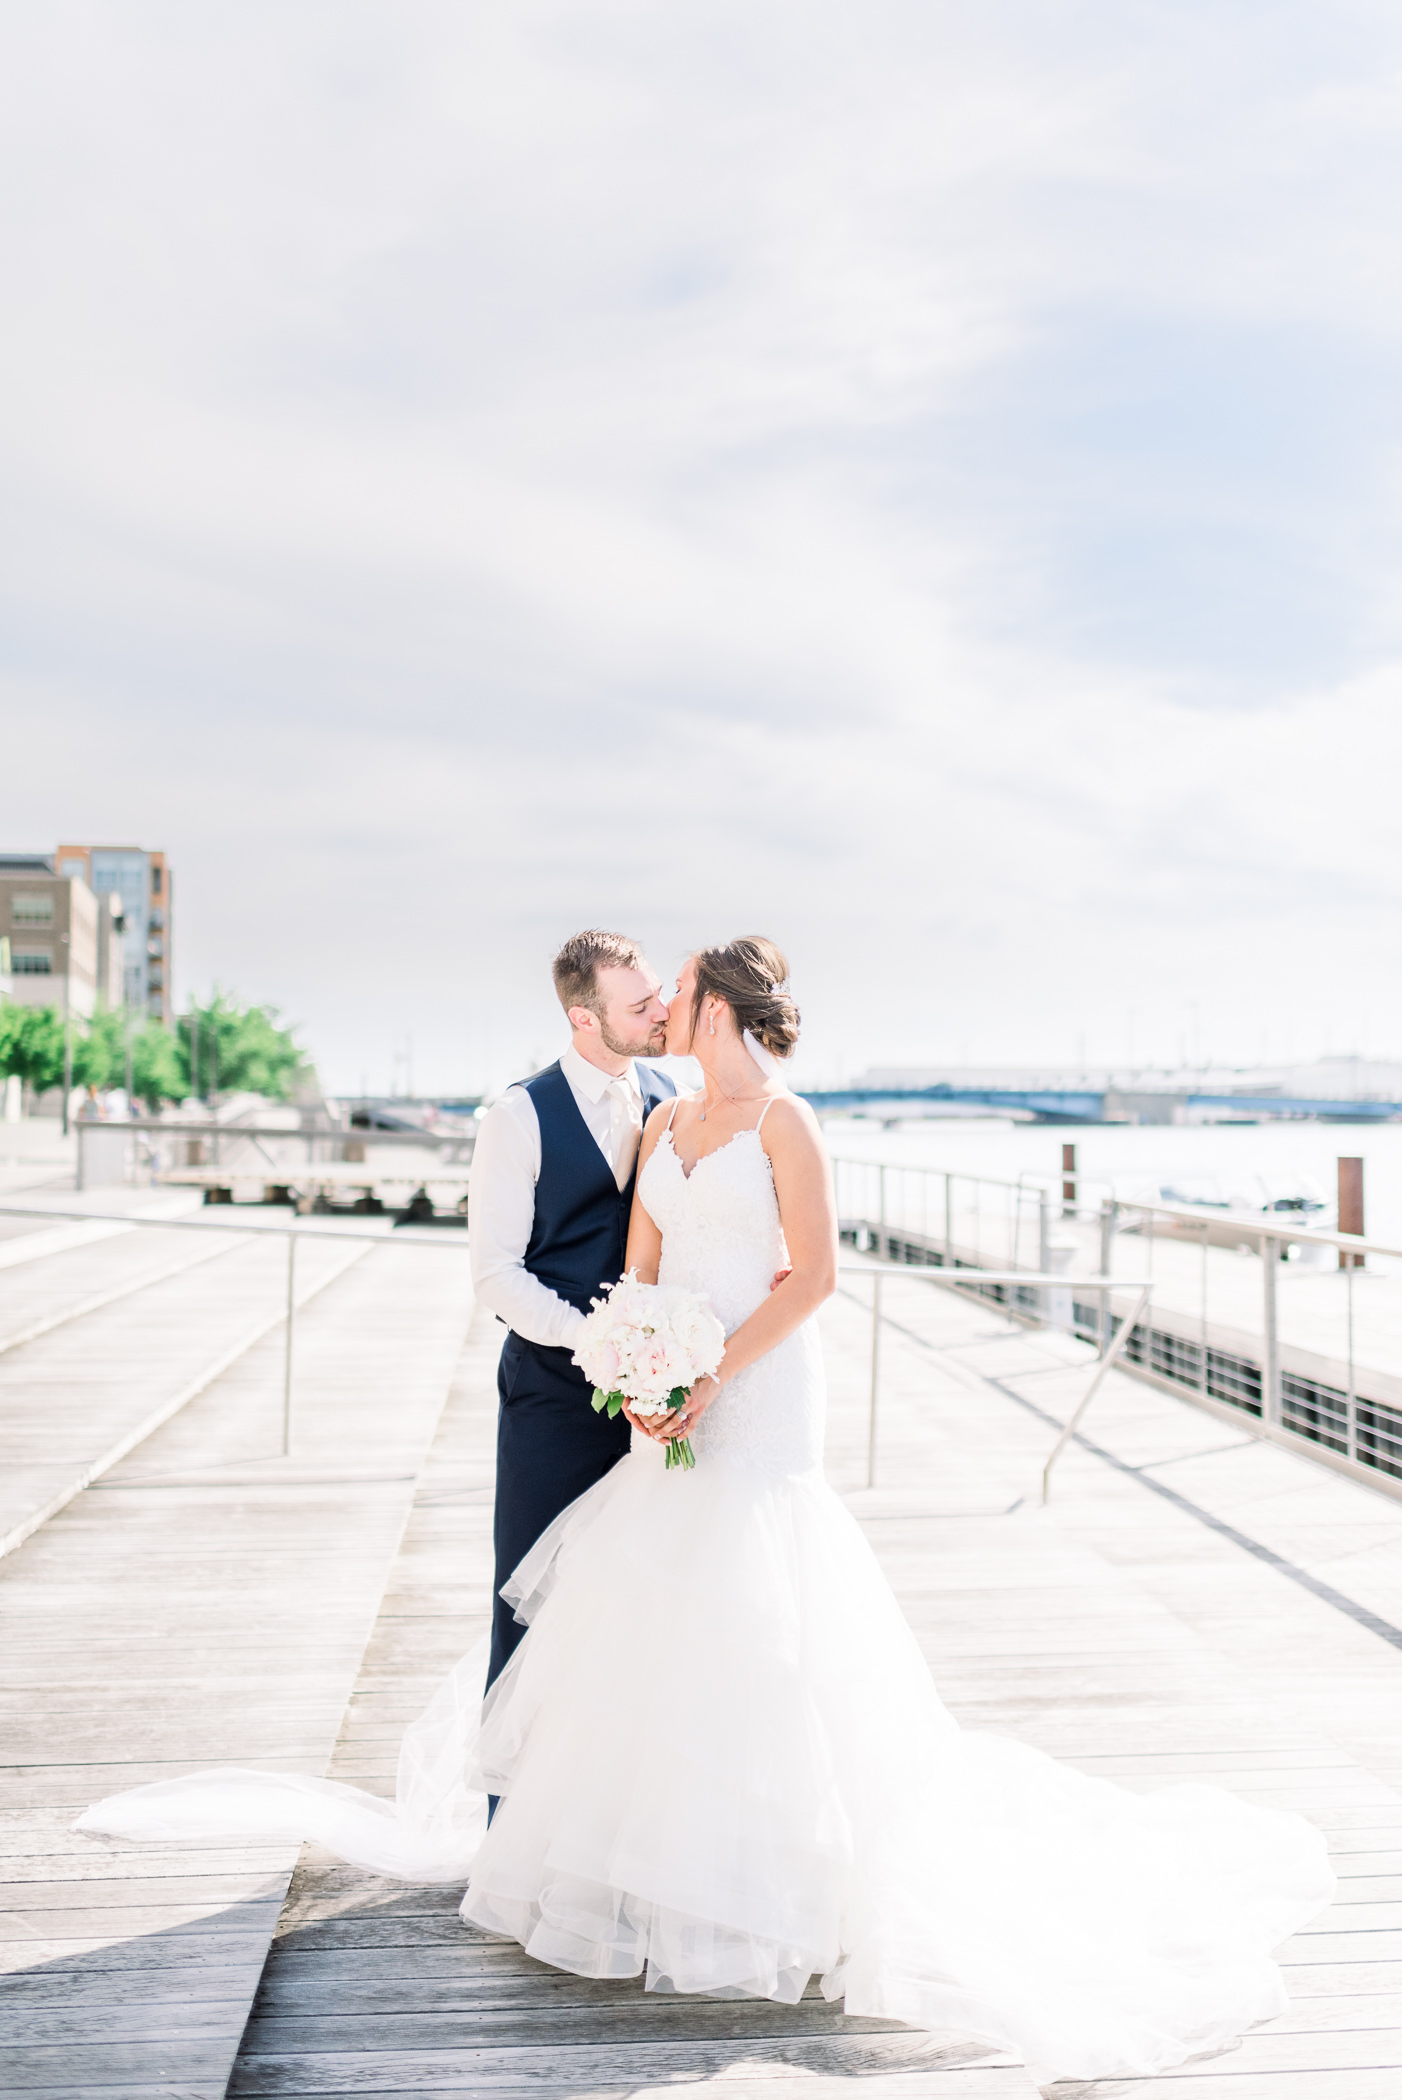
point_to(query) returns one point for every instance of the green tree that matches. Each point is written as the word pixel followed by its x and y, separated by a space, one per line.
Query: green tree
pixel 157 1069
pixel 31 1044
pixel 100 1055
pixel 237 1049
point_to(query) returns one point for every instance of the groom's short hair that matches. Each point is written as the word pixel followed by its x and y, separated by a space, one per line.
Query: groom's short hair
pixel 576 968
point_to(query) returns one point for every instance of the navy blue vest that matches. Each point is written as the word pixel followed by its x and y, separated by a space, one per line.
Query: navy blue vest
pixel 580 1231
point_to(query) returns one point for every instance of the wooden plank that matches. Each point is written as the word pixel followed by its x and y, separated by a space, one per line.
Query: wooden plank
pixel 138 1920
pixel 164 2020
pixel 39 2068
pixel 584 2066
pixel 68 1986
pixel 182 1952
pixel 623 2015
pixel 974 2083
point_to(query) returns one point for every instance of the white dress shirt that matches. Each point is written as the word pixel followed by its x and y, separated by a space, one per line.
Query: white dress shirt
pixel 501 1200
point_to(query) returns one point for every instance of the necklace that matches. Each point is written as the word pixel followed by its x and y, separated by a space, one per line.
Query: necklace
pixel 731 1098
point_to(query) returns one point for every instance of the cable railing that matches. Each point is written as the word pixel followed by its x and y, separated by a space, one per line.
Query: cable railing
pixel 981 1279
pixel 947 1241
pixel 1345 1412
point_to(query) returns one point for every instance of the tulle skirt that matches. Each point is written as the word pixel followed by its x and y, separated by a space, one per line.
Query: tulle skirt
pixel 722 1761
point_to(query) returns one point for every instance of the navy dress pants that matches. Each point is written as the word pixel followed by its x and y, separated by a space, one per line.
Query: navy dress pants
pixel 551 1446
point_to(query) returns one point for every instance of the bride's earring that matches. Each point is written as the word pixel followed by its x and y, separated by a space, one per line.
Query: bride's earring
pixel 713 1020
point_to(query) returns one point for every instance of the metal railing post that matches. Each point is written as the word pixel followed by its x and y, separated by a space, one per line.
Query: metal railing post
pixel 287 1355
pixel 1351 1403
pixel 1270 1355
pixel 881 1210
pixel 1107 1255
pixel 1044 1253
pixel 875 1378
pixel 948 1220
pixel 1206 1240
pixel 1105 1365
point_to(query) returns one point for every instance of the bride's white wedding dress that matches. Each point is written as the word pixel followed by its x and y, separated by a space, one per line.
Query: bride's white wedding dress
pixel 722 1759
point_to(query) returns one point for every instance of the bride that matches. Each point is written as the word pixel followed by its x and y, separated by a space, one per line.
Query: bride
pixel 720 1757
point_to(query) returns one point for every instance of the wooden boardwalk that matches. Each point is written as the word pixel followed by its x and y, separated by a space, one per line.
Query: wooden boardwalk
pixel 1193 1603
pixel 207 1602
pixel 1123 1629
pixel 101 1343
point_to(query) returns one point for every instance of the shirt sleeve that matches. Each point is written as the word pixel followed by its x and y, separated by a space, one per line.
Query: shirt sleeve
pixel 501 1208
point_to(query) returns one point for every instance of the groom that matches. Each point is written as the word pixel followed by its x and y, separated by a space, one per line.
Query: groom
pixel 551 1191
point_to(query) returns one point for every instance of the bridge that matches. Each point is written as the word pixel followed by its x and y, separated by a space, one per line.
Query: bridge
pixel 1092 1104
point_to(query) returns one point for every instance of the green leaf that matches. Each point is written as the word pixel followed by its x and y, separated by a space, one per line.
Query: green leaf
pixel 600 1401
pixel 615 1405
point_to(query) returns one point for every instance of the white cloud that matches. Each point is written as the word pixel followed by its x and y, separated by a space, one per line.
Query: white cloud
pixel 472 471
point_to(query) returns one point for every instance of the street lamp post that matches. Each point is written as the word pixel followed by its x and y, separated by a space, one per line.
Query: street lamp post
pixel 66 942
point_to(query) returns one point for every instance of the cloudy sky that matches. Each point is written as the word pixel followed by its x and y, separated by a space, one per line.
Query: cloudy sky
pixel 917 479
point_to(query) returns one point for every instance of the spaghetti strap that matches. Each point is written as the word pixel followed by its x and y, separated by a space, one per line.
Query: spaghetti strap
pixel 765 1111
pixel 676 1104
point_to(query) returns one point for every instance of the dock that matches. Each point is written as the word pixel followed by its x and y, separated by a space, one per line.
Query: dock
pixel 1194 1602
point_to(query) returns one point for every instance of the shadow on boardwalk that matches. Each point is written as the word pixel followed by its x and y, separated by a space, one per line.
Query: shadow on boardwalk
pixel 399 1995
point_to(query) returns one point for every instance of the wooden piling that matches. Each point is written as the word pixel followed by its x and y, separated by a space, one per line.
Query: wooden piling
pixel 1350 1208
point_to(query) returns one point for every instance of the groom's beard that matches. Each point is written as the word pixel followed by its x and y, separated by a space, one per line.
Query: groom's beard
pixel 654 1046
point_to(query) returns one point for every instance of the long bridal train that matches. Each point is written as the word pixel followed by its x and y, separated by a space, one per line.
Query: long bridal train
pixel 723 1761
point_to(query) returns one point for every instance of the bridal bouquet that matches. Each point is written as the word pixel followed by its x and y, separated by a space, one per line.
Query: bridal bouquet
pixel 648 1343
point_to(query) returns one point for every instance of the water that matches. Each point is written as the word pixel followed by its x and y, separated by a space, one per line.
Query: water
pixel 1223 1159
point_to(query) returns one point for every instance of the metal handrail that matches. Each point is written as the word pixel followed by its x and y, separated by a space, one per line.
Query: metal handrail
pixel 1027 1183
pixel 299 1230
pixel 156 1126
pixel 948 1278
pixel 1264 1225
pixel 899 1166
pixel 953 1279
pixel 292 1232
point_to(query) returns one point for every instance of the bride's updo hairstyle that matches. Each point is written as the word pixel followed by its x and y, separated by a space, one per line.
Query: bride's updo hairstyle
pixel 751 975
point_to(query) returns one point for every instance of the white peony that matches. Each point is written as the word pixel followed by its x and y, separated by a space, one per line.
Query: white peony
pixel 647 1344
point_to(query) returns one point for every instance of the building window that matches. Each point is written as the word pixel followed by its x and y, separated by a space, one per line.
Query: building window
pixel 155 882
pixel 34 962
pixel 74 867
pixel 32 911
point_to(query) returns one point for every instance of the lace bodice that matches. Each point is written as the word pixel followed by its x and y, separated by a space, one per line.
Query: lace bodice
pixel 721 1236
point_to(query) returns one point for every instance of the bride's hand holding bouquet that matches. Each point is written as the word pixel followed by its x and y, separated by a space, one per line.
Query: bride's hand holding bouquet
pixel 650 1349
